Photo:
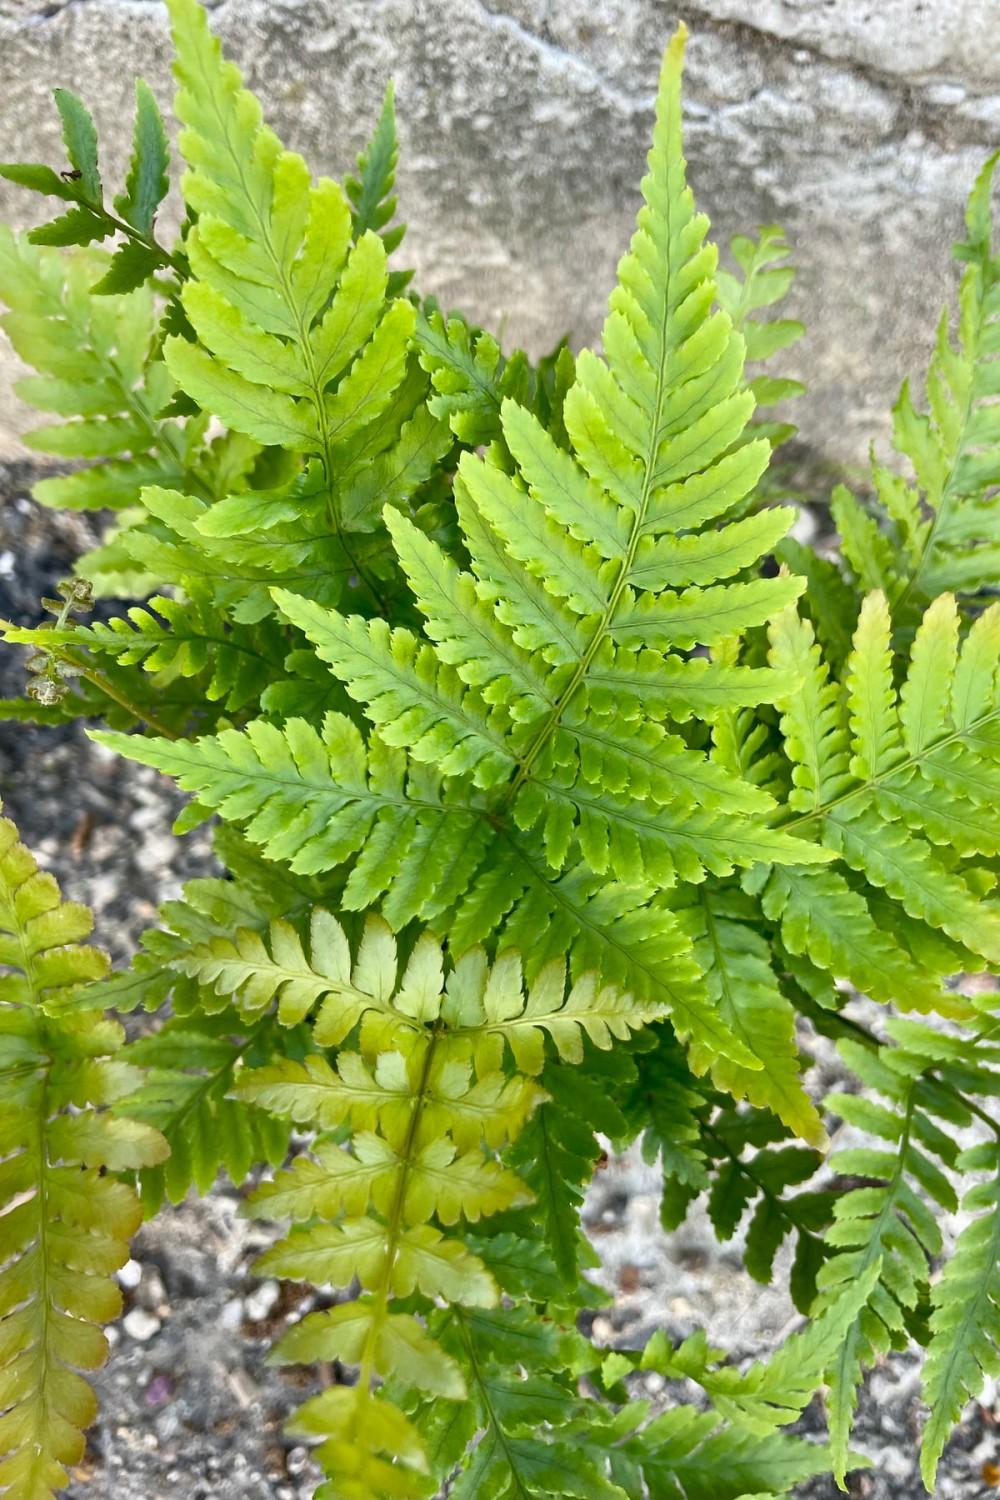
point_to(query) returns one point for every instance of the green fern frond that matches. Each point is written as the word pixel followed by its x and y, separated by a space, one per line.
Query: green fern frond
pixel 66 1217
pixel 425 1118
pixel 189 1065
pixel 941 529
pixel 763 282
pixel 97 365
pixel 893 786
pixel 298 346
pixel 371 196
pixel 964 1348
pixel 140 257
pixel 686 1454
pixel 744 987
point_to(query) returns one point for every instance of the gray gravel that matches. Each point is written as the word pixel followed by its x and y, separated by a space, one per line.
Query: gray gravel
pixel 189 1408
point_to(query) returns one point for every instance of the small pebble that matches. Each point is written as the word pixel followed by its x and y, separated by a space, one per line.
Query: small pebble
pixel 130 1275
pixel 141 1325
pixel 231 1315
pixel 262 1301
pixel 296 1460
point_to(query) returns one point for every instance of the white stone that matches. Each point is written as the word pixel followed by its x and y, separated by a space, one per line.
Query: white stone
pixel 262 1301
pixel 141 1325
pixel 130 1275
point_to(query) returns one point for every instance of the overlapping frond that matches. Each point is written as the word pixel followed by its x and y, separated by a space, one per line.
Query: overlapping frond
pixel 66 1217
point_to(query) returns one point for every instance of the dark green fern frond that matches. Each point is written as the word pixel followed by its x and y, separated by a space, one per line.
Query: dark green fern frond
pixel 965 1321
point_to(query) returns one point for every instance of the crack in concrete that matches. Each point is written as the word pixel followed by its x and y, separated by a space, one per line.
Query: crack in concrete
pixel 557 55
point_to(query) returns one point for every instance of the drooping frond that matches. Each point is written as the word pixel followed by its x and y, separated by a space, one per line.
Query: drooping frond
pixel 428 1103
pixel 66 1217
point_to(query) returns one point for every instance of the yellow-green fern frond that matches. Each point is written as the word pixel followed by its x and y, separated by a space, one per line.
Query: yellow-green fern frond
pixel 65 1218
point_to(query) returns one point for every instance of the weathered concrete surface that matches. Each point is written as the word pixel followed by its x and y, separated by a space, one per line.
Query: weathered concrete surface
pixel 857 124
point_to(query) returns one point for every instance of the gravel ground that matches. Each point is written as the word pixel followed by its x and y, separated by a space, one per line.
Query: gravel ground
pixel 189 1407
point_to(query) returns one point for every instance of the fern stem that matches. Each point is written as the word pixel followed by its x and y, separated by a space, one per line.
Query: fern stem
pixel 394 1223
pixel 491 1417
pixel 909 763
pixel 621 582
pixel 143 715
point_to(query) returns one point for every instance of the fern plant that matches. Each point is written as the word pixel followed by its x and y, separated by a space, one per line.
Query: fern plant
pixel 563 798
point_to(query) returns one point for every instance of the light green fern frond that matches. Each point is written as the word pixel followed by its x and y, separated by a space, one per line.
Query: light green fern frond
pixel 299 347
pixel 942 530
pixel 763 282
pixel 96 364
pixel 66 1217
pixel 897 785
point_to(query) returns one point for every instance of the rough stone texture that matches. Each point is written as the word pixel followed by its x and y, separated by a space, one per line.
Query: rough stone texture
pixel 858 124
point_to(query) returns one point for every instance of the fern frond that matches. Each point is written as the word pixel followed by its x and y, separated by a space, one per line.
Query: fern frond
pixel 688 1455
pixel 427 1104
pixel 298 346
pixel 742 983
pixel 189 1065
pixel 964 1348
pixel 371 196
pixel 97 366
pixel 893 786
pixel 763 282
pixel 66 1217
pixel 191 638
pixel 90 220
pixel 941 529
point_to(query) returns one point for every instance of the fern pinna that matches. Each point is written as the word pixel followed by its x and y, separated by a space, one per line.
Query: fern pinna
pixel 562 797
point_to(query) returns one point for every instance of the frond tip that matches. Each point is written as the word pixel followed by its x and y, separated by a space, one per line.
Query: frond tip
pixel 65 1219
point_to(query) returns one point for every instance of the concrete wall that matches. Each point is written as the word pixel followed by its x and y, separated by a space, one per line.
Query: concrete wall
pixel 857 124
